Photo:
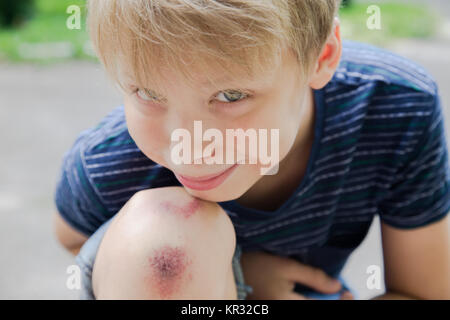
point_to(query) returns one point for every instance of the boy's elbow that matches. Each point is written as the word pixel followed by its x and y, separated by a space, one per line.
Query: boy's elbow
pixel 71 239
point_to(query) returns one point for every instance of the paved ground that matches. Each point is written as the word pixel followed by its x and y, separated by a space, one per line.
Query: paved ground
pixel 42 110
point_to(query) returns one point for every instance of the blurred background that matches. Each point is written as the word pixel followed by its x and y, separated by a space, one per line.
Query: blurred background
pixel 52 88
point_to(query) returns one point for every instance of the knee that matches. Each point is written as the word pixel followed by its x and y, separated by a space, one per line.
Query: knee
pixel 165 244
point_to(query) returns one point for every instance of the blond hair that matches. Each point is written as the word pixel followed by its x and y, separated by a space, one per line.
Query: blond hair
pixel 141 37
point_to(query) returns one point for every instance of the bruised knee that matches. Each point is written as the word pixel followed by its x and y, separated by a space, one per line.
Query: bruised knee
pixel 165 244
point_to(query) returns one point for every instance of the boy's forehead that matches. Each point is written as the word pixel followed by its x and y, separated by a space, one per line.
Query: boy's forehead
pixel 210 75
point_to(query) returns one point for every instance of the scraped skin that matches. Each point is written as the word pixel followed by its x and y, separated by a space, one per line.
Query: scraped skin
pixel 168 267
pixel 185 210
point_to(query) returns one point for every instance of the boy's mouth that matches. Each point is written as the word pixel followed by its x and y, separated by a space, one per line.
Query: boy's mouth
pixel 205 182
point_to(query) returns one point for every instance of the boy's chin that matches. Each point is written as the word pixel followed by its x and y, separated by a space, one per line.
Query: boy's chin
pixel 214 195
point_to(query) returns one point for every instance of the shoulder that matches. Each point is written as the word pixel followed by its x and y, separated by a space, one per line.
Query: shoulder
pixel 364 63
pixel 376 81
pixel 378 105
pixel 381 89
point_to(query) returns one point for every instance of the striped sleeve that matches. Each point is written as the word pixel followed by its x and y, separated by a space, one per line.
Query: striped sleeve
pixel 421 194
pixel 74 195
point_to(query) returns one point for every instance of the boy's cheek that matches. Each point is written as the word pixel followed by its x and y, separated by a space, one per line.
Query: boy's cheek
pixel 149 140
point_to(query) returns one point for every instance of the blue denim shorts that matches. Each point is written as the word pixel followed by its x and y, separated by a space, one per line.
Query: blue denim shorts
pixel 86 258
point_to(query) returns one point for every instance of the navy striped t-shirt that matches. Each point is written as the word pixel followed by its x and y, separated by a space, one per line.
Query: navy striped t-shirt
pixel 379 149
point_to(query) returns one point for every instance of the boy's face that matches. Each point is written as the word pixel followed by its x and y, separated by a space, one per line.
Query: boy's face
pixel 274 100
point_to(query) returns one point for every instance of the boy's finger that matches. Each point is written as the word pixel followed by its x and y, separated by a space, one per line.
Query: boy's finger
pixel 294 296
pixel 313 278
pixel 347 295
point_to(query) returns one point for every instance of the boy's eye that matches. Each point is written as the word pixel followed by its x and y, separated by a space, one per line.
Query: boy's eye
pixel 146 94
pixel 228 96
pixel 232 95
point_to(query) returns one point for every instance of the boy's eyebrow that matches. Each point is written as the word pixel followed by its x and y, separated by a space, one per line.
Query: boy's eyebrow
pixel 243 83
pixel 220 82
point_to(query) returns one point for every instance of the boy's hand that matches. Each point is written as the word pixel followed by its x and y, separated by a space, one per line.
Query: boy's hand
pixel 273 277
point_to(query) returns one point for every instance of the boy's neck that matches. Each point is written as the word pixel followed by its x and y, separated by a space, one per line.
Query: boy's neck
pixel 271 191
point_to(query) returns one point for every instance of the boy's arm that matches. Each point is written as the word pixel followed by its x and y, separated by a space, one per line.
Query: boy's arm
pixel 417 261
pixel 78 211
pixel 414 218
pixel 70 238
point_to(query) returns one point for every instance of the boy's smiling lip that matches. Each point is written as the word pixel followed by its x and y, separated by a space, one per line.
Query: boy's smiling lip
pixel 205 182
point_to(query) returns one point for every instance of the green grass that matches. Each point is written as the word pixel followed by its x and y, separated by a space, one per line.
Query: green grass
pixel 398 20
pixel 48 24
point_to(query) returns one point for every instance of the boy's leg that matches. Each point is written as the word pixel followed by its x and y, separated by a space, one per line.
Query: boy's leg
pixel 165 244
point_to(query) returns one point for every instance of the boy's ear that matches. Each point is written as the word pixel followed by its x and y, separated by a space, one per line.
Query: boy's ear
pixel 329 59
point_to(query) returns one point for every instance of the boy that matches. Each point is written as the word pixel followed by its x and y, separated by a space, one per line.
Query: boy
pixel 360 133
